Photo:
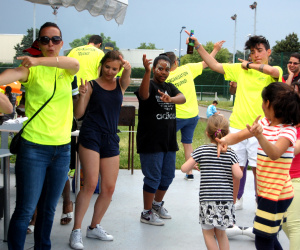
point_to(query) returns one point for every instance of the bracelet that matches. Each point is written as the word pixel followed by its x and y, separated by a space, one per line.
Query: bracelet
pixel 198 46
pixel 57 60
pixel 261 68
pixel 248 64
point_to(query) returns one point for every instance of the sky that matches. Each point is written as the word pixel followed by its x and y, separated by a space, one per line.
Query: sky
pixel 160 22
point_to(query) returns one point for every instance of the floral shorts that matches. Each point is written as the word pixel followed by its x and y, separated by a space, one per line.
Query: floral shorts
pixel 217 213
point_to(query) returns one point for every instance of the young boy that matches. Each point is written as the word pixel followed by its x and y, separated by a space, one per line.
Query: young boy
pixel 211 109
pixel 156 137
pixel 252 77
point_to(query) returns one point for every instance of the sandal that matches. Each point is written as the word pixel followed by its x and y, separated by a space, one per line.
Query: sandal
pixel 30 229
pixel 66 218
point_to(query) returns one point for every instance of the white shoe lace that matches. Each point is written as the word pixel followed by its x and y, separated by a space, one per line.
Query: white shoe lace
pixel 77 238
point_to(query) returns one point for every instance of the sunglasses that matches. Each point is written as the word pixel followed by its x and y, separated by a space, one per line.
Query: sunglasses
pixel 294 63
pixel 46 40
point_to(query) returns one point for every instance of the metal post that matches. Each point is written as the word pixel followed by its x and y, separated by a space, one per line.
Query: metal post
pixel 234 19
pixel 34 29
pixel 182 28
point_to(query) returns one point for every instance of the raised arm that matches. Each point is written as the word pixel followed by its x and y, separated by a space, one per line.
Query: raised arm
pixel 290 77
pixel 217 48
pixel 144 88
pixel 264 68
pixel 70 64
pixel 210 61
pixel 125 78
pixel 5 104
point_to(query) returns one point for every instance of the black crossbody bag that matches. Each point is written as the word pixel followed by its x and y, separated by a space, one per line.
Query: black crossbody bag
pixel 15 142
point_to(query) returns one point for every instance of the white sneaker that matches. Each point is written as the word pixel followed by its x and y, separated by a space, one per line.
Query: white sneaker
pixel 239 204
pixel 161 211
pixel 151 218
pixel 75 241
pixel 98 233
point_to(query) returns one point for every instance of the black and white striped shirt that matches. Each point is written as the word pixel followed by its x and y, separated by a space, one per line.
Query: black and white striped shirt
pixel 216 174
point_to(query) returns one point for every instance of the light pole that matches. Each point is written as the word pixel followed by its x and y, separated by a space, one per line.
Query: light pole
pixel 234 19
pixel 253 6
pixel 182 28
pixel 248 36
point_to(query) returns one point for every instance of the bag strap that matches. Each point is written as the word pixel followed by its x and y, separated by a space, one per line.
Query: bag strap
pixel 42 106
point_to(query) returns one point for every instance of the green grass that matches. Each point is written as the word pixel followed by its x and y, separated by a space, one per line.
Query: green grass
pixel 199 139
pixel 221 104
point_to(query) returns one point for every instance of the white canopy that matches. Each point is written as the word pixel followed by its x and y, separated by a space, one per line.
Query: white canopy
pixel 108 8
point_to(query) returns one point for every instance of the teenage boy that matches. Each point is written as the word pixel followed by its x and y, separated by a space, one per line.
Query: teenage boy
pixel 293 68
pixel 252 77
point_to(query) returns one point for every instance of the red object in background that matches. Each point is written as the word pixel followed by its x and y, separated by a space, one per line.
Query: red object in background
pixel 15 87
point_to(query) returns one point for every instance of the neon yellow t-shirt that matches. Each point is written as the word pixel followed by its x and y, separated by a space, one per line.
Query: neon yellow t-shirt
pixel 89 58
pixel 248 101
pixel 183 79
pixel 52 126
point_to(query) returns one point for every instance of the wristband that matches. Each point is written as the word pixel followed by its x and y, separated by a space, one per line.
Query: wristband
pixel 261 68
pixel 198 46
pixel 248 64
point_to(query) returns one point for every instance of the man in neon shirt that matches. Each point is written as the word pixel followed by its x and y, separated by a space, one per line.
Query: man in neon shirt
pixel 293 68
pixel 252 77
pixel 89 57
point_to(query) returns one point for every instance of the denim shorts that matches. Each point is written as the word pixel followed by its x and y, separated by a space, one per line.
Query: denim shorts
pixel 187 128
pixel 107 145
pixel 158 168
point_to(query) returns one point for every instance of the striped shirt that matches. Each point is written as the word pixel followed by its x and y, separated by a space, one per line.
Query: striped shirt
pixel 274 187
pixel 273 179
pixel 216 174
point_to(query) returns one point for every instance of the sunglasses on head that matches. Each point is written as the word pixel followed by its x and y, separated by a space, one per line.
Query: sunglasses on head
pixel 46 40
pixel 294 63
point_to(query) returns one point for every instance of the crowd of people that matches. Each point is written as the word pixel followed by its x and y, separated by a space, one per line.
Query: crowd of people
pixel 89 85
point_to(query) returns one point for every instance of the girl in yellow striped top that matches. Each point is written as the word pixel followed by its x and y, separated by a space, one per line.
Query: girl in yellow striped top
pixel 276 135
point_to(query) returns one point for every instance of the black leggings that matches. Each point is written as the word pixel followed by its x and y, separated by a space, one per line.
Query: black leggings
pixel 263 243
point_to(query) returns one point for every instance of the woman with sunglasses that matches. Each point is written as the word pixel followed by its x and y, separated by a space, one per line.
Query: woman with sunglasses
pixel 43 157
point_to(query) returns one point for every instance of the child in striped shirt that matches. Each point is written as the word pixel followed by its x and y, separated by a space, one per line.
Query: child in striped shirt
pixel 276 135
pixel 216 184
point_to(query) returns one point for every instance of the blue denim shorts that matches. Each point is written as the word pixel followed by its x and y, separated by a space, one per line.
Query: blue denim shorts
pixel 187 128
pixel 158 168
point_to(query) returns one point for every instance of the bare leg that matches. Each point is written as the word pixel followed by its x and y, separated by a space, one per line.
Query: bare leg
pixel 148 200
pixel 109 169
pixel 236 185
pixel 222 239
pixel 90 161
pixel 209 237
pixel 188 149
pixel 67 203
pixel 159 195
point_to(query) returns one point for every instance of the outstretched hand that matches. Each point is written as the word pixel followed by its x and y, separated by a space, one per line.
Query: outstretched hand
pixel 256 129
pixel 126 65
pixel 83 88
pixel 164 96
pixel 193 38
pixel 28 61
pixel 218 45
pixel 147 63
pixel 222 145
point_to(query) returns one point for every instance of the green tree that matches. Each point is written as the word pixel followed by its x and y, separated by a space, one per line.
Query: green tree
pixel 289 44
pixel 223 56
pixel 84 40
pixel 145 46
pixel 282 50
pixel 25 43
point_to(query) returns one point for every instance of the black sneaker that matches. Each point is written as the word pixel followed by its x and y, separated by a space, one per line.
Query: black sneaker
pixel 189 177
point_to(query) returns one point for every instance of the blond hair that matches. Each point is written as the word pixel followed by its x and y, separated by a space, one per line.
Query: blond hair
pixel 217 127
